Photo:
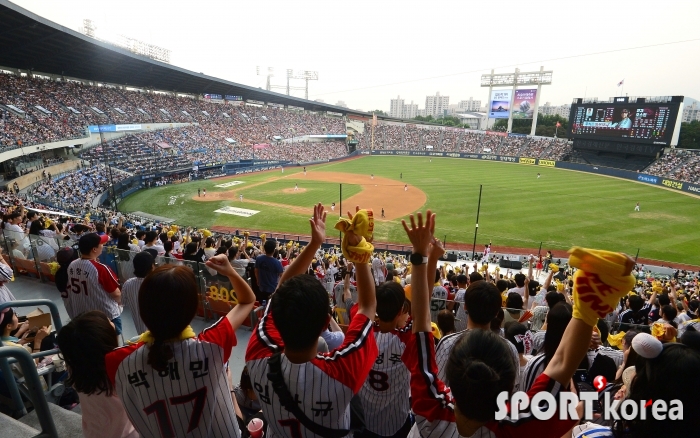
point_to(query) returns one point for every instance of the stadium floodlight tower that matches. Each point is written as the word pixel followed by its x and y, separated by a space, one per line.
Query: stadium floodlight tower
pixel 515 79
pixel 305 75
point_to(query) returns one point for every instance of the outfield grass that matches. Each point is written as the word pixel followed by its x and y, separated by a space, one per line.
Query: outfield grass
pixel 560 209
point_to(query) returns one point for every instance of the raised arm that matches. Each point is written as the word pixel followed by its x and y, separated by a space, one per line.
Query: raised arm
pixel 304 259
pixel 592 300
pixel 244 294
pixel 421 236
pixel 366 295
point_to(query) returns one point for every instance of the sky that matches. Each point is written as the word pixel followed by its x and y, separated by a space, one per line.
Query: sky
pixel 368 52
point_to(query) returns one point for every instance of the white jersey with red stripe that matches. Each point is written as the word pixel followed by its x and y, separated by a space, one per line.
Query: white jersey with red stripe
pixel 386 392
pixel 433 403
pixel 192 398
pixel 90 284
pixel 130 299
pixel 444 348
pixel 323 386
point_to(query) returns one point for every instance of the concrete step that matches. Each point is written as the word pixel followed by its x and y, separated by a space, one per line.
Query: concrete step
pixel 68 424
pixel 16 429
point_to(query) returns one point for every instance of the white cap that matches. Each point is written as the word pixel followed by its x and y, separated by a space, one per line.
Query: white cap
pixel 647 346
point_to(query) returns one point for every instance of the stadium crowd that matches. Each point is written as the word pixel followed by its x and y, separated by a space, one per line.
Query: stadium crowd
pixel 183 148
pixel 36 110
pixel 412 137
pixel 421 348
pixel 76 191
pixel 682 165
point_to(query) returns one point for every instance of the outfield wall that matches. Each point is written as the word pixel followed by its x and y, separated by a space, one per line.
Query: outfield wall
pixel 600 170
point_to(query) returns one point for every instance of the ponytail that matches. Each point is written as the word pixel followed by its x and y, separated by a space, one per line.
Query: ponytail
pixel 159 353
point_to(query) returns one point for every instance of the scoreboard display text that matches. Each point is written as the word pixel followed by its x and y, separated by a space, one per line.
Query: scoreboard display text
pixel 650 123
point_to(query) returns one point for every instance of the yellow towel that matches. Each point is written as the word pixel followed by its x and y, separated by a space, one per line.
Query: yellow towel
pixel 616 340
pixel 186 334
pixel 664 332
pixel 554 268
pixel 436 331
pixel 603 277
pixel 362 224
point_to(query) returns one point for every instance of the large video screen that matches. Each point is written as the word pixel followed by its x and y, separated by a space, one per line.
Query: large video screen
pixel 640 122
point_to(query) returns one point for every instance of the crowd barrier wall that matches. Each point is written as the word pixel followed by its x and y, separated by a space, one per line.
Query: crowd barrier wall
pixel 600 170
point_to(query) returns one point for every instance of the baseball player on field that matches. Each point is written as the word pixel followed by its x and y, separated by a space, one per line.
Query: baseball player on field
pixel 282 350
pixel 91 284
pixel 173 383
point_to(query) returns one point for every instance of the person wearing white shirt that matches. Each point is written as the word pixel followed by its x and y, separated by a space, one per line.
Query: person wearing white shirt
pixel 378 270
pixel 520 282
pixel 152 243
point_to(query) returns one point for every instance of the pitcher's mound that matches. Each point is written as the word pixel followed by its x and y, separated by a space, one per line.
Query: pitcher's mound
pixel 299 190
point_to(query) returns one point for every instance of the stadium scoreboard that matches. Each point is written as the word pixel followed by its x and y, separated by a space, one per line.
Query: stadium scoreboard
pixel 621 120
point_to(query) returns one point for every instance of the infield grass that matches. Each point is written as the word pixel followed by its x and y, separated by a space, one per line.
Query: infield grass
pixel 560 209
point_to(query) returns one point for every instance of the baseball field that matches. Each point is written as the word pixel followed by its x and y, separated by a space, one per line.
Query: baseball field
pixel 559 209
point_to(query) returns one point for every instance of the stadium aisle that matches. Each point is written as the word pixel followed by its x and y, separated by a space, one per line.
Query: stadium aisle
pixel 24 288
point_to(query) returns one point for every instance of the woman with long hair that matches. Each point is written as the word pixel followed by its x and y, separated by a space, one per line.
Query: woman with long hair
pixel 45 246
pixel 479 369
pixel 171 370
pixel 558 319
pixel 84 342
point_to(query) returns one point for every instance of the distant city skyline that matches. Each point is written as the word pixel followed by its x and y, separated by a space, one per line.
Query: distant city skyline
pixel 368 72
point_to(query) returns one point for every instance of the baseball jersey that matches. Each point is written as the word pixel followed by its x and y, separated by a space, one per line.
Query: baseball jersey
pixel 438 302
pixel 90 284
pixel 533 369
pixel 130 299
pixel 461 311
pixel 323 386
pixel 5 294
pixel 628 317
pixel 344 309
pixel 191 398
pixel 385 394
pixel 444 348
pixel 433 404
pixel 538 341
pixel 683 327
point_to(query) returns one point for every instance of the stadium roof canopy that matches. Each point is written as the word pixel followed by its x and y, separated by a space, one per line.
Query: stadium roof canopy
pixel 30 42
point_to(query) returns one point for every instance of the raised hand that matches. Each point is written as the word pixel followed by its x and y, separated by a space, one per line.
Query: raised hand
pixel 318 224
pixel 353 239
pixel 420 234
pixel 220 264
pixel 436 248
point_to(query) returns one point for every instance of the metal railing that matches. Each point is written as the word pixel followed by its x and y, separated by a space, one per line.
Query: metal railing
pixel 30 374
pixel 26 364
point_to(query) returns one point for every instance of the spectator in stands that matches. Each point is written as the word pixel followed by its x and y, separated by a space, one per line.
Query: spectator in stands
pixel 84 342
pixel 93 286
pixel 268 271
pixel 143 265
pixel 172 357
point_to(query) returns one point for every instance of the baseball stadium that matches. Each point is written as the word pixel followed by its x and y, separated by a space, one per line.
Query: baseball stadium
pixel 420 272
